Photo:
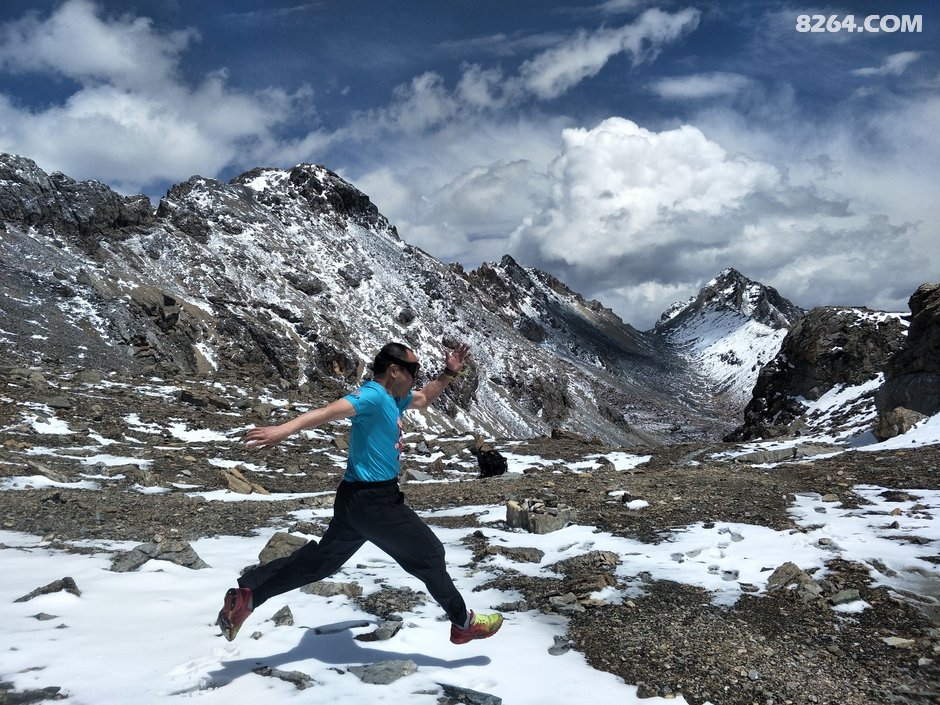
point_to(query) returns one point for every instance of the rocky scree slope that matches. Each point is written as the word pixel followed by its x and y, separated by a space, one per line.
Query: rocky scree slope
pixel 294 275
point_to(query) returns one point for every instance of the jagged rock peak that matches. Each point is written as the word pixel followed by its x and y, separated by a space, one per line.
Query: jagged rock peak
pixel 322 193
pixel 532 281
pixel 732 291
pixel 912 376
pixel 55 202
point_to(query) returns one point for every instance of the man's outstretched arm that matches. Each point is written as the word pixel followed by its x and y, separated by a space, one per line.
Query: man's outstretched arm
pixel 269 436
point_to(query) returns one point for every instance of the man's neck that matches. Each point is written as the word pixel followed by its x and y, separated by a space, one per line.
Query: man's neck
pixel 386 384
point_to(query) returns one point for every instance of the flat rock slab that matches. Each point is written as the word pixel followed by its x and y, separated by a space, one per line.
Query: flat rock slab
pixel 178 552
pixel 384 672
pixel 455 695
pixel 63 584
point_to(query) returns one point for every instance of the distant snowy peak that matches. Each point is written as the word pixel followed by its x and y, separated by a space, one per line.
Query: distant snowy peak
pixel 734 292
pixel 729 330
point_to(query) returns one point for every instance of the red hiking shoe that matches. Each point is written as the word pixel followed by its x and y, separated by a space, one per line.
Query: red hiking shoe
pixel 235 610
pixel 481 626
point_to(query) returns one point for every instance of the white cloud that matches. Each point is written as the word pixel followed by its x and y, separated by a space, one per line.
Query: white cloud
pixel 132 120
pixel 426 103
pixel 556 70
pixel 699 86
pixel 634 213
pixel 459 191
pixel 893 65
pixel 619 187
pixel 74 42
pixel 617 6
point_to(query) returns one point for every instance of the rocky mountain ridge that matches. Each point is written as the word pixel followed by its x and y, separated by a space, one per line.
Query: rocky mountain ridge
pixel 294 276
pixel 852 374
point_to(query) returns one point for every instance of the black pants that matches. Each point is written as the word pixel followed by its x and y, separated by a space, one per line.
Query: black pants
pixel 364 511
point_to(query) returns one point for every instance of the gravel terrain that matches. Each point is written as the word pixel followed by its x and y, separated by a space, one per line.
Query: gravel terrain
pixel 768 648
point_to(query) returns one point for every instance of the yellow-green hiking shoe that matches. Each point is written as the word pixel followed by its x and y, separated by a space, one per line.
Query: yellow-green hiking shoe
pixel 481 626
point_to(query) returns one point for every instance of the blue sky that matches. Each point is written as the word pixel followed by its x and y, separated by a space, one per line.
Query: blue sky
pixel 633 149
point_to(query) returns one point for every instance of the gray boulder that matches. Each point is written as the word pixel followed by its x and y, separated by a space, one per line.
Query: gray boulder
pixel 912 375
pixel 537 517
pixel 66 584
pixel 280 545
pixel 895 422
pixel 384 672
pixel 178 552
pixel 455 695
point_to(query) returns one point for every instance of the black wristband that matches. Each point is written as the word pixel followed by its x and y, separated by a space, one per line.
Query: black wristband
pixel 449 373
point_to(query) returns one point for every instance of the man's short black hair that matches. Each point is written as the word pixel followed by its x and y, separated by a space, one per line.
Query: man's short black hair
pixel 387 356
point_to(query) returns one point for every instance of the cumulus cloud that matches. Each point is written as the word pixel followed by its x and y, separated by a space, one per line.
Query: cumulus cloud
pixel 633 213
pixel 619 187
pixel 131 120
pixel 74 42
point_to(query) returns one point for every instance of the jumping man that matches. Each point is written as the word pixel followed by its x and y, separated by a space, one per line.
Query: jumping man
pixel 368 504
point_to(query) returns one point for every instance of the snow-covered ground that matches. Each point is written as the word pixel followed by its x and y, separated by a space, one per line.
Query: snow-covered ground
pixel 148 636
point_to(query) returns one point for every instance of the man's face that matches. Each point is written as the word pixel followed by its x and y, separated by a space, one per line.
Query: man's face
pixel 404 380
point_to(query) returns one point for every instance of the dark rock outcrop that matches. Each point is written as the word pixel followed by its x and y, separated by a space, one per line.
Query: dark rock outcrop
pixel 57 205
pixel 912 376
pixel 828 347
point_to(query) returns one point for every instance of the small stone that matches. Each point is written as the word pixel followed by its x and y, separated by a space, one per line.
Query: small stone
pixel 455 695
pixel 844 597
pixel 327 588
pixel 561 646
pixel 899 642
pixel 385 631
pixel 63 584
pixel 283 617
pixel 280 545
pixel 299 679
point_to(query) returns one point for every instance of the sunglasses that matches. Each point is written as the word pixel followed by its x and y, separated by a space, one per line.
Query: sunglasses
pixel 411 367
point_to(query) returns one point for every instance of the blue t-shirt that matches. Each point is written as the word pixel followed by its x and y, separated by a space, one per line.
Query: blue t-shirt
pixel 375 440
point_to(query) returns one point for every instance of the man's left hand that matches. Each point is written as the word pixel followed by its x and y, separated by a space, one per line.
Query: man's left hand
pixel 457 358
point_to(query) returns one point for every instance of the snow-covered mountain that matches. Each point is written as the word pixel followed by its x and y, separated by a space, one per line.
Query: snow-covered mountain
pixel 294 277
pixel 729 331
